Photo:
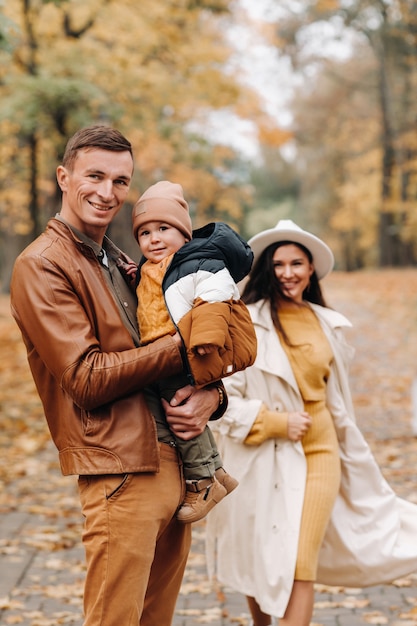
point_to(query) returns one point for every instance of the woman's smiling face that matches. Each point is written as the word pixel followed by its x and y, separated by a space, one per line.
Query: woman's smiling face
pixel 293 270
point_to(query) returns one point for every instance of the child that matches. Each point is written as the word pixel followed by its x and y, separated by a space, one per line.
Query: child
pixel 186 282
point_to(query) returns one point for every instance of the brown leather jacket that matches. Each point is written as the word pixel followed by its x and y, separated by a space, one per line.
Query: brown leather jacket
pixel 88 373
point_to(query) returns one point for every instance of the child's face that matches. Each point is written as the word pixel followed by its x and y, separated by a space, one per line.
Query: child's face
pixel 157 240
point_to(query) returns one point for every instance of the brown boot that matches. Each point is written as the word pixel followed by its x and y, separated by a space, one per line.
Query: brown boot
pixel 228 482
pixel 202 495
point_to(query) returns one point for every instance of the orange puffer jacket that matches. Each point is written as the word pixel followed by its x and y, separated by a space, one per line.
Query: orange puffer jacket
pixel 229 328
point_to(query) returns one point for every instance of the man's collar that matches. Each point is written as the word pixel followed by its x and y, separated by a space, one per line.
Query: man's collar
pixel 81 236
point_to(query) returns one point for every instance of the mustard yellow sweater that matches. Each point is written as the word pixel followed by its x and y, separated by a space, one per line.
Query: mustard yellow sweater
pixel 310 356
pixel 306 356
pixel 153 318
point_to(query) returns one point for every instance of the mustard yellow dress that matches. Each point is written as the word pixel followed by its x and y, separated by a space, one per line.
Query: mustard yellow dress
pixel 310 357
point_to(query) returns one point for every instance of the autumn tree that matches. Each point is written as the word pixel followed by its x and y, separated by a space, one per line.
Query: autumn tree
pixel 383 35
pixel 156 70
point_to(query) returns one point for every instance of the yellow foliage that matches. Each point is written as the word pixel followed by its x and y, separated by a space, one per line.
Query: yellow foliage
pixel 327 6
pixel 273 136
pixel 155 68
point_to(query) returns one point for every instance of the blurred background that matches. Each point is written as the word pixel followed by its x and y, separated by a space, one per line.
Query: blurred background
pixel 266 110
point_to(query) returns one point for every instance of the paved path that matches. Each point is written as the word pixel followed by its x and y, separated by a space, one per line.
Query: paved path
pixel 41 558
pixel 42 568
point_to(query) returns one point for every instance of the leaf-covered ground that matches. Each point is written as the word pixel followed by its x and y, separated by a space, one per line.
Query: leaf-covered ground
pixel 382 306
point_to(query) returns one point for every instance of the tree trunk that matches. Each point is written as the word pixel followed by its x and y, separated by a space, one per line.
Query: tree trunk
pixel 34 208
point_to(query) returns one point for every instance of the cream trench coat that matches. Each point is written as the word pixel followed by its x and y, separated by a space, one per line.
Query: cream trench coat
pixel 252 535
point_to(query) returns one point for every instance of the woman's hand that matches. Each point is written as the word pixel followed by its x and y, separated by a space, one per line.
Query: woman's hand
pixel 298 425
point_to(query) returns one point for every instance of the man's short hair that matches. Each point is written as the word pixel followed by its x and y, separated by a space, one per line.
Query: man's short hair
pixel 99 136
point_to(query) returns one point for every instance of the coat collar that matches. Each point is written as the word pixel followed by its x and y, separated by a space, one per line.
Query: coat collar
pixel 261 315
pixel 332 318
pixel 271 356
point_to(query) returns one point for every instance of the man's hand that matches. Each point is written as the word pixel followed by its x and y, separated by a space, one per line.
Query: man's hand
pixel 190 410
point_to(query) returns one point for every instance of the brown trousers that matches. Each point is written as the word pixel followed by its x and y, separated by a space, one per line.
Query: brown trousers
pixel 136 551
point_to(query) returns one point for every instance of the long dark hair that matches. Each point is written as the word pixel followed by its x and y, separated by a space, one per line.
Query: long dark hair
pixel 263 284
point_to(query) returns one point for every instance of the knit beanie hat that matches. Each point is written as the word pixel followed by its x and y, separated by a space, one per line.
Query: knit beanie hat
pixel 163 202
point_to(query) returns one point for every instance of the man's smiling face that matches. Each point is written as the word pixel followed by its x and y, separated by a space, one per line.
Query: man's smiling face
pixel 95 189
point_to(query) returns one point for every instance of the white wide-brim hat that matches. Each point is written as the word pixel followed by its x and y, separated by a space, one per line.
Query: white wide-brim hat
pixel 286 230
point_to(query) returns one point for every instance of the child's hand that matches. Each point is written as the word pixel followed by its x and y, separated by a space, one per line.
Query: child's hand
pixel 129 269
pixel 207 348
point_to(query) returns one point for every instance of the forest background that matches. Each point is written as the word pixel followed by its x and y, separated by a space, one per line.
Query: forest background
pixel 178 78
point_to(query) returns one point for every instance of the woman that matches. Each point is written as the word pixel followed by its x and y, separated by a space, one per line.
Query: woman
pixel 312 505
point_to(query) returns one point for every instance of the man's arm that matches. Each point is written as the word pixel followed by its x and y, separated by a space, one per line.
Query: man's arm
pixel 62 330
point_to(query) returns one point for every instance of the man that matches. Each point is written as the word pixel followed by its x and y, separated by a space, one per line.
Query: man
pixel 76 313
